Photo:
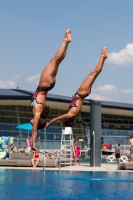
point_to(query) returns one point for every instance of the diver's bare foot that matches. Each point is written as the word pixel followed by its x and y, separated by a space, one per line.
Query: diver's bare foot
pixel 67 36
pixel 35 149
pixel 104 53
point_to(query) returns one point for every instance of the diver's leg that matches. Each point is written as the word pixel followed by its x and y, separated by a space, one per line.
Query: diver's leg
pixel 51 69
pixel 89 80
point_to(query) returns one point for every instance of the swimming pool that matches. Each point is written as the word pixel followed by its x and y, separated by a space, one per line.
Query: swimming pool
pixel 63 185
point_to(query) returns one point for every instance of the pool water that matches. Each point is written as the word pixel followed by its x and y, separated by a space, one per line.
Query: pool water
pixel 63 185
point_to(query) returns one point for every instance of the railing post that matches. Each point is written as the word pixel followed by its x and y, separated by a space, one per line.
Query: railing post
pixel 94 149
pixel 95 134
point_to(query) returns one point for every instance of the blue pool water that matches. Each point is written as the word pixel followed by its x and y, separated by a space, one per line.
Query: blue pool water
pixel 63 185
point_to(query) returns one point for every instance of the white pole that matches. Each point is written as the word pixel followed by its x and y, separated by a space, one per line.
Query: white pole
pixel 45 139
pixel 93 148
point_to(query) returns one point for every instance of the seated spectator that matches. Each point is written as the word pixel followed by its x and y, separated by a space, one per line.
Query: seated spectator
pixel 123 152
pixel 35 159
pixel 22 150
pixel 13 149
pixel 130 156
pixel 51 155
pixel 6 156
pixel 63 151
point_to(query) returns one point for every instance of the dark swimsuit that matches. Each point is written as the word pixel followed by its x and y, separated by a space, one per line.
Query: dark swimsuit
pixel 75 98
pixel 39 89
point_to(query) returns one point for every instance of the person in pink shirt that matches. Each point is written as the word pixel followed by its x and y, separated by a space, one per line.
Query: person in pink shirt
pixel 77 152
pixel 29 144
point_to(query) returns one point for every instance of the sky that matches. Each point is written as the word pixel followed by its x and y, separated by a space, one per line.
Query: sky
pixel 32 31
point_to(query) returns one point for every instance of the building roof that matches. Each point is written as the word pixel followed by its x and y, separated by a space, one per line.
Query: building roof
pixel 17 94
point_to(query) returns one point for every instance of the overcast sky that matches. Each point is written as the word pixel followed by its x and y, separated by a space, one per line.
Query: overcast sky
pixel 31 32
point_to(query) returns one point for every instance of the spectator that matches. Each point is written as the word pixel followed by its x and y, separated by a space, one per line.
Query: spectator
pixel 51 155
pixel 130 156
pixel 123 152
pixel 6 156
pixel 13 149
pixel 117 152
pixel 35 159
pixel 72 146
pixel 29 144
pixel 77 153
pixel 63 151
pixel 22 150
pixel 131 148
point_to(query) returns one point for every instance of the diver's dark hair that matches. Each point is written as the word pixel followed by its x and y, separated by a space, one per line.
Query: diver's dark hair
pixel 42 123
pixel 45 112
pixel 69 122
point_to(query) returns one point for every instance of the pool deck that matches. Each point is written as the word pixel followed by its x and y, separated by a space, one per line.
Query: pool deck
pixel 82 167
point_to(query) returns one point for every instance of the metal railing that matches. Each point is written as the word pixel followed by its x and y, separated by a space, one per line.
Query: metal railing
pixel 93 149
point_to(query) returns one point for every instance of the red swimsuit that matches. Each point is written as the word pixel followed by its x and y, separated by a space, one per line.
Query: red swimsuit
pixel 75 98
pixel 36 155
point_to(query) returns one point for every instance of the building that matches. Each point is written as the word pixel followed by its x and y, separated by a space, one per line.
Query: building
pixel 117 119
